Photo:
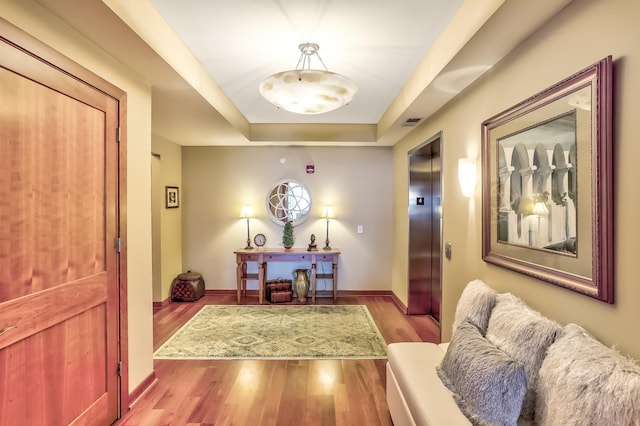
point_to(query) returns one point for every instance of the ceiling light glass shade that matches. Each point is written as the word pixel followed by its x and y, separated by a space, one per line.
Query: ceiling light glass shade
pixel 308 91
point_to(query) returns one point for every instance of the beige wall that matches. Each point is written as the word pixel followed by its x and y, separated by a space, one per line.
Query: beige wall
pixel 35 20
pixel 585 32
pixel 169 239
pixel 218 181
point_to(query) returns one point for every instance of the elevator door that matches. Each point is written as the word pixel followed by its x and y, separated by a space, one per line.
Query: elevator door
pixel 425 291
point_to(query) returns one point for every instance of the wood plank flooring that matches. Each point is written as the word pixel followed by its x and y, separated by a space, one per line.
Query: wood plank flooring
pixel 287 392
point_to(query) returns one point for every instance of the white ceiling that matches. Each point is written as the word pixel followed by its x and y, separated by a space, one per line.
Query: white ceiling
pixel 375 43
pixel 204 60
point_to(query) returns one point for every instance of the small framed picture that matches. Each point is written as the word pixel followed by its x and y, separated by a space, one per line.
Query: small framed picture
pixel 172 197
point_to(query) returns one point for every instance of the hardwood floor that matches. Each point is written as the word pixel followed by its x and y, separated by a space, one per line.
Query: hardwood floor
pixel 287 392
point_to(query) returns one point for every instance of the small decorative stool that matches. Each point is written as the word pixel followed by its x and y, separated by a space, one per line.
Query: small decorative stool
pixel 187 287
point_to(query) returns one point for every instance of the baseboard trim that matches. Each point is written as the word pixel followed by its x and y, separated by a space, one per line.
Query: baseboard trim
pixel 319 293
pixel 210 292
pixel 396 301
pixel 143 387
pixel 329 293
pixel 160 305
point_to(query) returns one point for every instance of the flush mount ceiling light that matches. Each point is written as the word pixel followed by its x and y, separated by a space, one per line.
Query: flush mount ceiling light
pixel 308 91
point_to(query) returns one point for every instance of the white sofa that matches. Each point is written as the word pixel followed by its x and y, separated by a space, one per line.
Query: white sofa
pixel 571 378
pixel 415 393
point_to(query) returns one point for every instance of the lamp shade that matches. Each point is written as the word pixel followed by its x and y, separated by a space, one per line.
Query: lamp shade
pixel 540 208
pixel 247 212
pixel 327 212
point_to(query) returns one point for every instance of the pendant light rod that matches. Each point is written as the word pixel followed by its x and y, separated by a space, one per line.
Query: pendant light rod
pixel 307 50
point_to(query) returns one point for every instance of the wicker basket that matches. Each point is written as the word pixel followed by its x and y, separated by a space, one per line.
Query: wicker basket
pixel 187 287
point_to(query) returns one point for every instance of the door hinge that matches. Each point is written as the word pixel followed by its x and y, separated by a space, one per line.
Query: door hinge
pixel 118 131
pixel 119 369
pixel 118 245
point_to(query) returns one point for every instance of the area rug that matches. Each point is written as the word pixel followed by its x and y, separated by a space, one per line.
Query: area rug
pixel 277 332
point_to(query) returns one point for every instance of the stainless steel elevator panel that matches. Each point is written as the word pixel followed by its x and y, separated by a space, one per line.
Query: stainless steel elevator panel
pixel 425 291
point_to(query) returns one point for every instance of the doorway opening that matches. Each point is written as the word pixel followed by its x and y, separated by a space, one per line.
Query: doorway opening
pixel 156 229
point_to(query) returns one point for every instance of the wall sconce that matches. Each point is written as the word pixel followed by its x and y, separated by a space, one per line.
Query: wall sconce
pixel 327 213
pixel 247 213
pixel 467 176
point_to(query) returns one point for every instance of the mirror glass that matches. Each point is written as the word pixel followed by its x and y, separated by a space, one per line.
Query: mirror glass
pixel 288 201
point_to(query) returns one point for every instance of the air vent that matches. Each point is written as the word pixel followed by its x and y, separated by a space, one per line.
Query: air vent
pixel 411 122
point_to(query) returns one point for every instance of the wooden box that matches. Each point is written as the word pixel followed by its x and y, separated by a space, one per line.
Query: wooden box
pixel 277 286
pixel 281 296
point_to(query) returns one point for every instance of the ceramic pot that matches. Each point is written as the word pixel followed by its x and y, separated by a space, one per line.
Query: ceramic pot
pixel 301 283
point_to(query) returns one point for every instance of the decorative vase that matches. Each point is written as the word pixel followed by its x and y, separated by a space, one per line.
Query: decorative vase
pixel 301 283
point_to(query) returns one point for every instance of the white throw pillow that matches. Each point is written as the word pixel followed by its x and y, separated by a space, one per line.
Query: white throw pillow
pixel 475 304
pixel 583 382
pixel 525 335
pixel 487 384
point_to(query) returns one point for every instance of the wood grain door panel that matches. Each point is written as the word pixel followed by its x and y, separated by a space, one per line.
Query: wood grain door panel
pixel 58 262
pixel 33 364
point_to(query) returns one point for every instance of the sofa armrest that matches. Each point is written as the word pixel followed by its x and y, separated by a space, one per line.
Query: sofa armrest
pixel 413 369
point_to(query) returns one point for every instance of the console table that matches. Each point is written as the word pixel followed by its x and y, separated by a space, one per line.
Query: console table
pixel 262 256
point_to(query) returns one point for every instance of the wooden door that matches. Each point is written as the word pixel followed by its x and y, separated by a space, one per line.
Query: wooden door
pixel 58 261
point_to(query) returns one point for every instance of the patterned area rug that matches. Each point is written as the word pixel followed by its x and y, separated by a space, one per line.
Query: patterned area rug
pixel 277 332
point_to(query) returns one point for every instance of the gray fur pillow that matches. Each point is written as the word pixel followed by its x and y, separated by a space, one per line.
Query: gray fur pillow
pixel 583 382
pixel 488 385
pixel 525 335
pixel 475 304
